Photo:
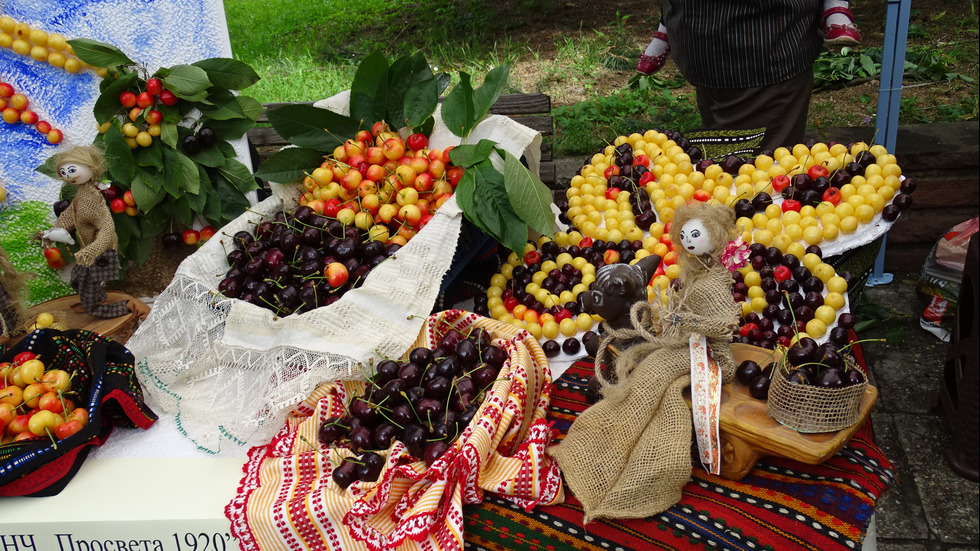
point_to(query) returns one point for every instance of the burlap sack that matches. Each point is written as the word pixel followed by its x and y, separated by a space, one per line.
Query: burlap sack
pixel 629 455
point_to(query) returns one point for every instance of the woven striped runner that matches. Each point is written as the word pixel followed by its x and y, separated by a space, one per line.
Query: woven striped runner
pixel 781 505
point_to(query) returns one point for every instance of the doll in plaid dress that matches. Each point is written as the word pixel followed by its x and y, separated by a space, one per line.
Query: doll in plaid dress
pixel 96 260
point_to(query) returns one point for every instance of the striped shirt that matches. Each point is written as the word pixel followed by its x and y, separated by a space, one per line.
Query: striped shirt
pixel 742 43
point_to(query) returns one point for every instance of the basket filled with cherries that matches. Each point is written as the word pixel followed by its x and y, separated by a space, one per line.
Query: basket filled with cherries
pixel 815 387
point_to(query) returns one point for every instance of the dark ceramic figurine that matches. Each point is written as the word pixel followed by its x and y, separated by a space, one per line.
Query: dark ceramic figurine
pixel 617 287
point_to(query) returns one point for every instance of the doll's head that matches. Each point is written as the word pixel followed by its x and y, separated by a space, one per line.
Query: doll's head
pixel 81 164
pixel 701 229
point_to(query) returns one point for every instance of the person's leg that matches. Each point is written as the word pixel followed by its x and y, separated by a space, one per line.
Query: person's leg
pixel 780 108
pixel 655 55
pixel 838 24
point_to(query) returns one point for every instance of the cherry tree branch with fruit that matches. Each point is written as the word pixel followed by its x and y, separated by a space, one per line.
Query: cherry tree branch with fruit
pixel 166 137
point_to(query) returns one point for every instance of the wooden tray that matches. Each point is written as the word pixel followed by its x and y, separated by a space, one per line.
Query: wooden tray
pixel 68 314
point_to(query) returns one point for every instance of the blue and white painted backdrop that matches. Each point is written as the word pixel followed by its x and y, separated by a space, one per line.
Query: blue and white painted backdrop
pixel 155 33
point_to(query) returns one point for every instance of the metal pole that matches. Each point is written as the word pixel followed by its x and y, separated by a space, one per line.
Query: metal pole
pixel 889 99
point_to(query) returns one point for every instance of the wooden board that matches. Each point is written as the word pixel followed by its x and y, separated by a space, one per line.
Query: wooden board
pixel 748 433
pixel 68 314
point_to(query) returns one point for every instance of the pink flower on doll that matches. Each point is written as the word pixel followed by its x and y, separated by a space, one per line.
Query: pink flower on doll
pixel 736 254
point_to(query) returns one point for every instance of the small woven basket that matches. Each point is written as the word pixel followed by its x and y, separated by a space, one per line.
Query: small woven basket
pixel 809 408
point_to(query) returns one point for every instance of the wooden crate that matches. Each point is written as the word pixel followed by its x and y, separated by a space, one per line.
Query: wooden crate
pixel 531 110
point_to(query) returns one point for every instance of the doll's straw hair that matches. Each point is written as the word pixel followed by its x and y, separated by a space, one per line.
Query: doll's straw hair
pixel 87 155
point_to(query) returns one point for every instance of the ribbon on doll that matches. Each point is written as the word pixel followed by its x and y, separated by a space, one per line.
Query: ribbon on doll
pixel 706 402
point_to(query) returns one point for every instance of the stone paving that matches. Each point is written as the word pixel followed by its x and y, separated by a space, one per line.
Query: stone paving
pixel 930 507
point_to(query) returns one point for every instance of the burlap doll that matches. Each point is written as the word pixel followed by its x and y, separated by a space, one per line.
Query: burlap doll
pixel 96 260
pixel 12 310
pixel 629 455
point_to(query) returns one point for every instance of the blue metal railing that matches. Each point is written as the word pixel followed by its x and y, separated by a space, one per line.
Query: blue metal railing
pixel 889 99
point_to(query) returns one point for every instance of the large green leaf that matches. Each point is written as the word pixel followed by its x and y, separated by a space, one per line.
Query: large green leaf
pixel 250 107
pixel 182 211
pixel 232 202
pixel 190 179
pixel 210 156
pixel 401 75
pixel 145 196
pixel 467 155
pixel 173 172
pixel 225 107
pixel 187 81
pixel 488 93
pixel 494 208
pixel 238 175
pixel 457 109
pixel 289 164
pixel 168 133
pixel 107 105
pixel 466 199
pixel 228 73
pixel 369 89
pixel 231 129
pixel 421 101
pixel 529 197
pixel 118 156
pixel 312 127
pixel 150 156
pixel 99 54
pixel 152 178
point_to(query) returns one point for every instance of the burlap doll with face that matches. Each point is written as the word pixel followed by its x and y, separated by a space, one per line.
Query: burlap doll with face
pixel 642 425
pixel 88 216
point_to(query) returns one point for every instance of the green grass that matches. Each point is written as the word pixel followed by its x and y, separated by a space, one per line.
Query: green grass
pixel 307 50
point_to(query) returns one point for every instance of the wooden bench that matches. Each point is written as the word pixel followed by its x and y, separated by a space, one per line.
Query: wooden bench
pixel 531 110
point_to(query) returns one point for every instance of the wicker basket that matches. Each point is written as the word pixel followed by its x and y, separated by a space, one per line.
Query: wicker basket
pixel 809 408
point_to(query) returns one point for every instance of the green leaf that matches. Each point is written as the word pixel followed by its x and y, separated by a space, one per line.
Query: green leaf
pixel 118 156
pixel 48 168
pixel 182 211
pixel 145 196
pixel 190 179
pixel 212 203
pixel 195 202
pixel 489 92
pixel 152 178
pixel 529 197
pixel 187 82
pixel 99 54
pixel 495 210
pixel 168 133
pixel 228 73
pixel 210 156
pixel 173 172
pixel 225 107
pixel 107 105
pixel 369 89
pixel 312 127
pixel 421 101
pixel 232 202
pixel 467 155
pixel 289 164
pixel 149 156
pixel 238 175
pixel 465 197
pixel 457 109
pixel 251 107
pixel 231 129
pixel 403 73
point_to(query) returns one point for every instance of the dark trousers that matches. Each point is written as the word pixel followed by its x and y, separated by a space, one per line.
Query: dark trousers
pixel 89 282
pixel 780 108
